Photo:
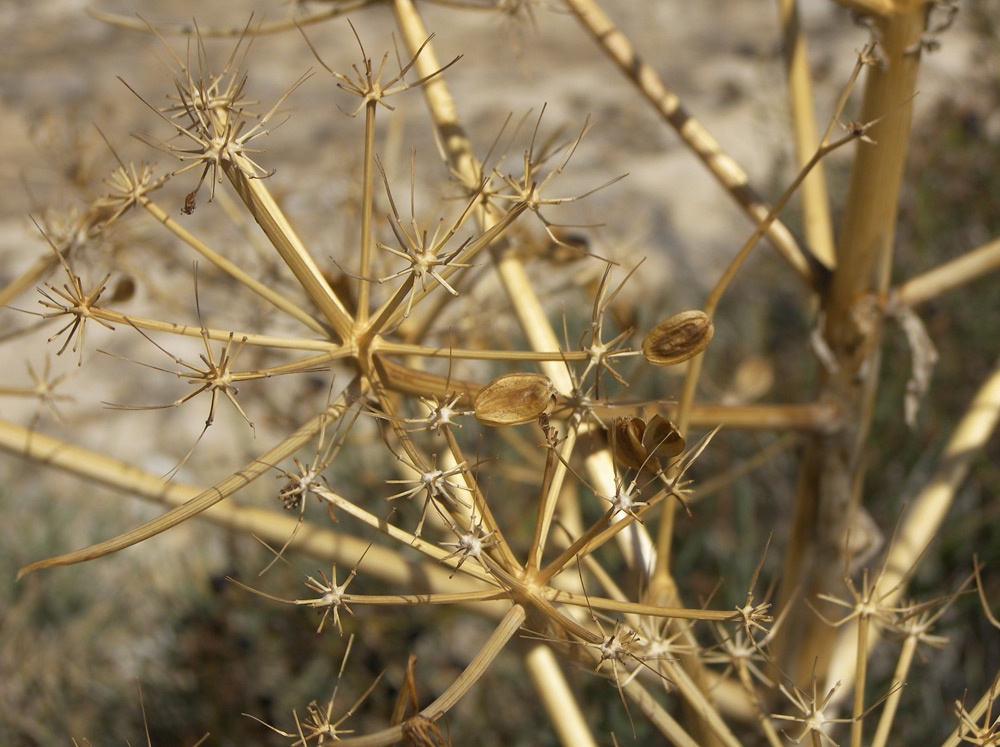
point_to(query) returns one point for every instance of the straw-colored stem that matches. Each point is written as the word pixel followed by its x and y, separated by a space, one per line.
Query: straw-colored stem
pixel 831 476
pixel 406 539
pixel 457 690
pixel 228 32
pixel 634 608
pixel 556 473
pixel 923 520
pixel 556 697
pixel 690 130
pixel 750 688
pixel 899 677
pixel 816 220
pixel 389 347
pixel 948 276
pixel 33 447
pixel 869 7
pixel 482 506
pixel 231 268
pixel 861 667
pixel 289 246
pixel 367 203
pixel 27 279
pixel 658 715
pixel 695 697
pixel 986 703
pixel 332 350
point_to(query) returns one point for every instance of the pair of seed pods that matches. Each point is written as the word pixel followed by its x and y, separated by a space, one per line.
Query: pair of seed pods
pixel 517 398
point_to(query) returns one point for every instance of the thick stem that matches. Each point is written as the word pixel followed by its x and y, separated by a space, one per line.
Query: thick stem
pixel 832 471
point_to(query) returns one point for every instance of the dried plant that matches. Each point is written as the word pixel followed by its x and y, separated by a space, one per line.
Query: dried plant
pixel 470 460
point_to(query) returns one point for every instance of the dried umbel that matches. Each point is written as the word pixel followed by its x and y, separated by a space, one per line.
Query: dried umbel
pixel 514 399
pixel 678 338
pixel 640 445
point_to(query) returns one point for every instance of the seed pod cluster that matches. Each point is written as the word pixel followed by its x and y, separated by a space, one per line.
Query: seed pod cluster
pixel 514 399
pixel 678 338
pixel 640 445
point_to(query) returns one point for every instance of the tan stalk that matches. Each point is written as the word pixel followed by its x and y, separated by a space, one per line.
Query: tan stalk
pixel 286 242
pixel 870 7
pixel 195 505
pixel 984 705
pixel 464 598
pixel 899 678
pixel 133 23
pixel 948 276
pixel 693 692
pixel 861 667
pixel 389 347
pixel 691 131
pixel 927 513
pixel 332 351
pixel 658 716
pixel 555 472
pixel 634 608
pixel 820 416
pixel 231 268
pixel 430 549
pixel 27 279
pixel 816 220
pixel 557 698
pixel 481 506
pixel 367 207
pixel 506 630
pixel 831 476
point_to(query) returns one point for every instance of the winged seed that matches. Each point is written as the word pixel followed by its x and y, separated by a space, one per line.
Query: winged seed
pixel 678 338
pixel 513 399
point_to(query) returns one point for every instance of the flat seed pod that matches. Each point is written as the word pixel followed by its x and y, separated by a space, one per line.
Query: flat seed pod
pixel 662 439
pixel 678 338
pixel 627 435
pixel 513 399
pixel 123 291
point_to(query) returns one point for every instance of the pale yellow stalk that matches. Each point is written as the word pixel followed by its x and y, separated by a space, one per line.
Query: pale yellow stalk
pixel 816 220
pixel 948 276
pixel 722 166
pixel 564 712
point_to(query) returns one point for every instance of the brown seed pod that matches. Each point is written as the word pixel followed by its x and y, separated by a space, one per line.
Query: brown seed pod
pixel 662 439
pixel 513 399
pixel 627 437
pixel 123 291
pixel 640 445
pixel 678 338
